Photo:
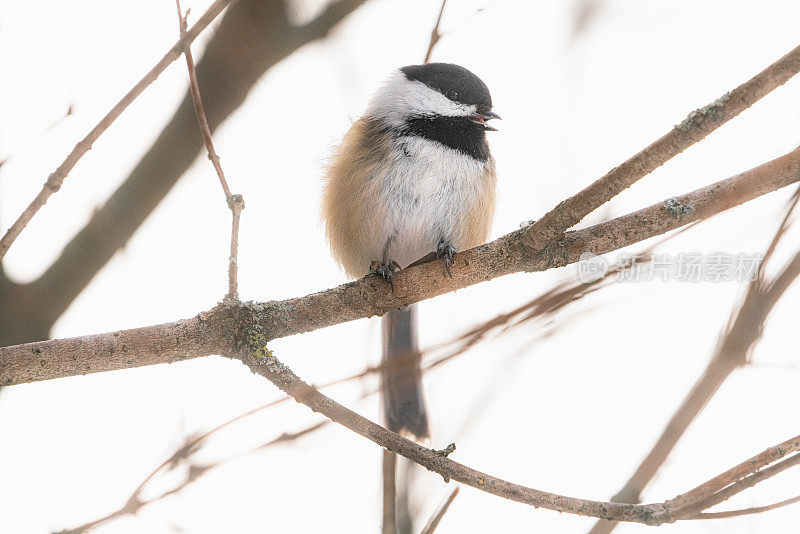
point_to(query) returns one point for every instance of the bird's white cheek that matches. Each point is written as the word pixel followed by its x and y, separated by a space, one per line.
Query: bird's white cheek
pixel 401 98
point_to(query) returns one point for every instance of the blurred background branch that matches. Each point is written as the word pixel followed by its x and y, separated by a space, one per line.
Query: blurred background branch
pixel 56 179
pixel 252 37
pixel 736 343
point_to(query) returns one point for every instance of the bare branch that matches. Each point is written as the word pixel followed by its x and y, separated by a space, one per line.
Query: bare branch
pixel 743 331
pixel 235 202
pixel 262 361
pixel 737 487
pixel 252 36
pixel 389 472
pixel 746 511
pixel 194 472
pixel 435 33
pixel 694 128
pixel 433 522
pixel 55 180
pixel 224 327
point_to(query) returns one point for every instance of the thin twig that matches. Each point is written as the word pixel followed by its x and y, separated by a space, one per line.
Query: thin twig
pixel 737 487
pixel 719 485
pixel 463 22
pixel 55 180
pixel 262 361
pixel 194 472
pixel 435 33
pixel 70 110
pixel 190 446
pixel 433 522
pixel 235 202
pixel 543 306
pixel 746 511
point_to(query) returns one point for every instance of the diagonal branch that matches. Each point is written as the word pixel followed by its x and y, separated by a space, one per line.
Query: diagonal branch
pixel 743 331
pixel 251 37
pixel 222 329
pixel 55 180
pixel 746 511
pixel 235 202
pixel 693 129
pixel 261 361
pixel 436 518
pixel 194 471
pixel 692 510
pixel 436 34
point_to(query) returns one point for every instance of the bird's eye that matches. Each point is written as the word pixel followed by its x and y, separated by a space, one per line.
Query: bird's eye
pixel 452 95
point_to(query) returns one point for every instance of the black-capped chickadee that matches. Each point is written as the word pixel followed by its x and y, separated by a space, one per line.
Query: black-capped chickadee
pixel 413 176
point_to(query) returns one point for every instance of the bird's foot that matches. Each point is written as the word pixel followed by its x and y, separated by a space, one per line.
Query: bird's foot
pixel 385 271
pixel 446 252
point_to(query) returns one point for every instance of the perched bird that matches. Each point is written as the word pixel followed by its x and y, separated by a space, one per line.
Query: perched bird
pixel 413 176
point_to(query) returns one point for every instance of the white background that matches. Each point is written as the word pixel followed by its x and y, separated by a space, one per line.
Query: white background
pixel 573 413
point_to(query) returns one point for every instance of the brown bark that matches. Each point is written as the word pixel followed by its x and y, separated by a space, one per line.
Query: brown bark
pixel 691 130
pixel 686 506
pixel 230 324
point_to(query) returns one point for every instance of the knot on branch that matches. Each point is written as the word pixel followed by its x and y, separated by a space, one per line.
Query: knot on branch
pixel 716 112
pixel 235 202
pixel 54 181
pixel 446 451
pixel 662 514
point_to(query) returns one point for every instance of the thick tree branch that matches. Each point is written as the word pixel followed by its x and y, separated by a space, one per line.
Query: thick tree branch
pixel 222 329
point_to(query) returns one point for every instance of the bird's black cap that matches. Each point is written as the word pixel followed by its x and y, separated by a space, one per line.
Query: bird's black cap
pixel 453 81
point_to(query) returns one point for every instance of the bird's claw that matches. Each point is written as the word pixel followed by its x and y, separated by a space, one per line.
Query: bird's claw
pixel 446 252
pixel 385 271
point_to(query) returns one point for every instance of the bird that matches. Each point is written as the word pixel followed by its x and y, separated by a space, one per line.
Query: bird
pixel 411 181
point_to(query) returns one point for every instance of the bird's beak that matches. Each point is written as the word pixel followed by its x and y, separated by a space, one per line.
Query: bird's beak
pixel 484 115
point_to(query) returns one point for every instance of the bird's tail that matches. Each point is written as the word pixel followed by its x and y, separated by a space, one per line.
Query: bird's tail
pixel 401 375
